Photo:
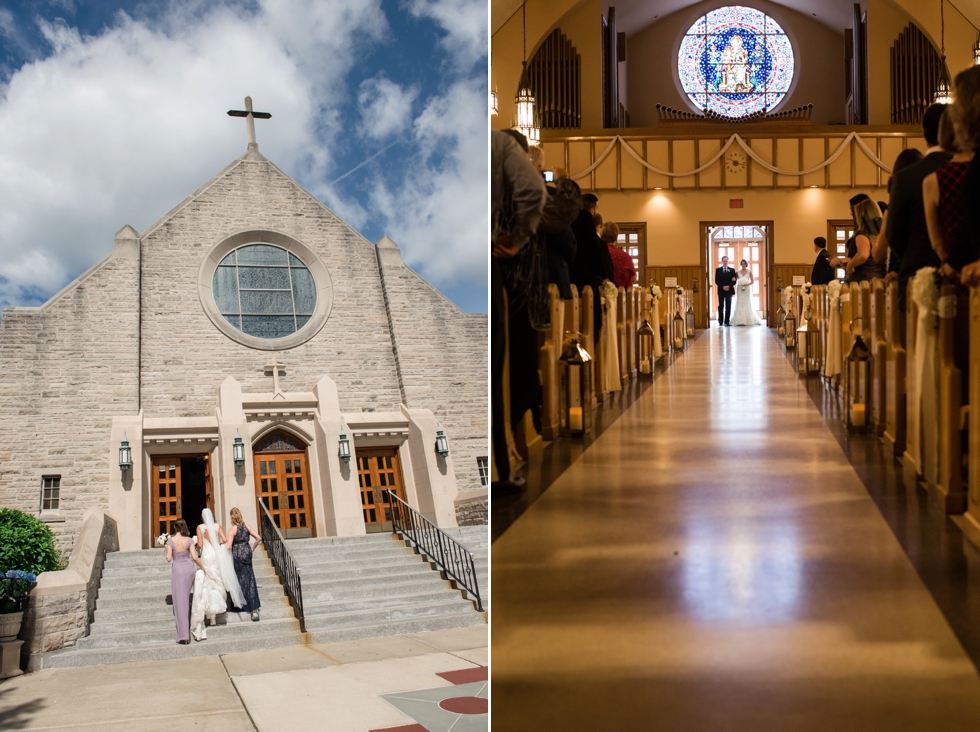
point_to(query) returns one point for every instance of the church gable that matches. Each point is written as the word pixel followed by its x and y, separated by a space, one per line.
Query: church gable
pixel 185 356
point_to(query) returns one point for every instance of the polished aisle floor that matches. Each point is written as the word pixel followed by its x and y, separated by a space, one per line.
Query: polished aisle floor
pixel 713 562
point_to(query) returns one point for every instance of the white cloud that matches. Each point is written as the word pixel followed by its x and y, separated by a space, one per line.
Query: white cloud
pixel 386 107
pixel 120 127
pixel 465 23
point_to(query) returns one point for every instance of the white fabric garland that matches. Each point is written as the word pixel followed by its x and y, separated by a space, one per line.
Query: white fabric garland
pixel 658 348
pixel 735 138
pixel 611 378
pixel 835 360
pixel 924 419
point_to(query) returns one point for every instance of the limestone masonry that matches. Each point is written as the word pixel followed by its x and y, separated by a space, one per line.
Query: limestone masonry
pixel 135 346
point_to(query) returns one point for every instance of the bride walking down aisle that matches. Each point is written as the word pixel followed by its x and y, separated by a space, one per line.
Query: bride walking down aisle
pixel 744 312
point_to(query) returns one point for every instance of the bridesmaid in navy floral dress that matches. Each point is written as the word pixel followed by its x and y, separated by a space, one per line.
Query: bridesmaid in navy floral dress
pixel 239 541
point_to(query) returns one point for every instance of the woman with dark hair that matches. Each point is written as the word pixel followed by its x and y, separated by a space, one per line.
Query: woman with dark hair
pixel 241 550
pixel 180 551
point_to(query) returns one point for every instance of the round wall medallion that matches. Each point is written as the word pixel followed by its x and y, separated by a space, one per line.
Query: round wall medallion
pixel 265 290
pixel 735 162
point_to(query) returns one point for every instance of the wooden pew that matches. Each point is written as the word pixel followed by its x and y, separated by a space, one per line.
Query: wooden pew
pixel 633 295
pixel 972 516
pixel 587 321
pixel 622 334
pixel 912 457
pixel 862 310
pixel 550 344
pixel 847 315
pixel 895 365
pixel 948 490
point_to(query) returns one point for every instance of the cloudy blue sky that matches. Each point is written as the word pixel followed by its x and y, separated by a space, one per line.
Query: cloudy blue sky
pixel 113 111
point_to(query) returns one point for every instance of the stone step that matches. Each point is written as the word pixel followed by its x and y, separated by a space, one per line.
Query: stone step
pixel 168 650
pixel 274 626
pixel 320 565
pixel 119 619
pixel 318 581
pixel 346 541
pixel 147 599
pixel 317 607
pixel 397 627
pixel 378 615
pixel 147 557
pixel 114 574
pixel 342 553
pixel 360 589
pixel 161 586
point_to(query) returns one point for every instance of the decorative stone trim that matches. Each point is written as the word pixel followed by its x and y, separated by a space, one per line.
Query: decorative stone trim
pixel 473 508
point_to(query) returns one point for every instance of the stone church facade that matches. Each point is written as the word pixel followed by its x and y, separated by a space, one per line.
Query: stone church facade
pixel 249 311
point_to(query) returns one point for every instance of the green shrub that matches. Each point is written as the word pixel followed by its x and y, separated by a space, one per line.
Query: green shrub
pixel 26 543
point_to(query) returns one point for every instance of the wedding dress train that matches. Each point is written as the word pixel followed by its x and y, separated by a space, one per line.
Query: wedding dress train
pixel 209 592
pixel 744 314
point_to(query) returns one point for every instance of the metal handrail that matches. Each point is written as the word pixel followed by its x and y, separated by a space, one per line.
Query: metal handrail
pixel 448 554
pixel 282 560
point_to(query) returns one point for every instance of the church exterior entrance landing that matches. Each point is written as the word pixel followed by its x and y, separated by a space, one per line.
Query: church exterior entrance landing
pixel 249 313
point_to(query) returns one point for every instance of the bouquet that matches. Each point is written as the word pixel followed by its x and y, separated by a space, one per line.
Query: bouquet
pixel 162 539
pixel 15 587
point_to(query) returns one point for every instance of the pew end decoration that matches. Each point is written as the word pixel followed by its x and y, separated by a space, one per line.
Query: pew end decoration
pixel 858 365
pixel 680 338
pixel 689 316
pixel 645 335
pixel 575 389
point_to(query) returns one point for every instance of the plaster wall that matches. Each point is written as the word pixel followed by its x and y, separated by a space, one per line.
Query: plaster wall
pixel 673 218
pixel 652 60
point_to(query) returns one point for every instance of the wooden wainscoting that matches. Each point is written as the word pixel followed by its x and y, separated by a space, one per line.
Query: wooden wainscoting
pixel 786 272
pixel 685 276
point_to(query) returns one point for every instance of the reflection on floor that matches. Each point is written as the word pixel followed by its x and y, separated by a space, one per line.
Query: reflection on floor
pixel 714 562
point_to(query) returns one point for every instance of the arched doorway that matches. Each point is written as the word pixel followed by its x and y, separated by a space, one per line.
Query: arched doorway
pixel 282 483
pixel 739 240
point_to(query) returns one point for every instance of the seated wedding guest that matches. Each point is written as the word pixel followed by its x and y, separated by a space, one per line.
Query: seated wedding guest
pixel 880 249
pixel 517 198
pixel 823 270
pixel 239 541
pixel 906 232
pixel 861 266
pixel 941 190
pixel 624 272
pixel 180 551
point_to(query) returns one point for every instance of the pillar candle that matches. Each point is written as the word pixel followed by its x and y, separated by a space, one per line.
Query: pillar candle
pixel 690 331
pixel 790 341
pixel 575 418
pixel 677 343
pixel 857 414
pixel 780 330
pixel 644 366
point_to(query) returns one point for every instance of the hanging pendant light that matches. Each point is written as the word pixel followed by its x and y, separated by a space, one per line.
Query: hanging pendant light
pixel 493 101
pixel 943 93
pixel 526 119
pixel 976 51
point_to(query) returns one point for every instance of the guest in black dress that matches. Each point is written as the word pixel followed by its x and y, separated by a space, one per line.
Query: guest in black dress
pixel 241 551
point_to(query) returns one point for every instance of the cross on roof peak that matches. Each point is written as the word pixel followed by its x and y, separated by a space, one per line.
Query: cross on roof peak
pixel 249 116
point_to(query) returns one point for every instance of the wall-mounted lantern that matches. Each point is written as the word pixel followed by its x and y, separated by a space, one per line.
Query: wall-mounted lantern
pixel 238 450
pixel 344 449
pixel 125 455
pixel 442 446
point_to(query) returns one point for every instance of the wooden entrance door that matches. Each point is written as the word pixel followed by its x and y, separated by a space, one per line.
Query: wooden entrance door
pixel 378 470
pixel 181 488
pixel 282 483
pixel 166 490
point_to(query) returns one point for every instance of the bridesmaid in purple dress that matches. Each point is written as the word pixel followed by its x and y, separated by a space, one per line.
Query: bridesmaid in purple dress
pixel 180 551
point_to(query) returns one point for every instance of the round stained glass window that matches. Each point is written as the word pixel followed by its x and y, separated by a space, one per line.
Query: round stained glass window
pixel 264 291
pixel 735 61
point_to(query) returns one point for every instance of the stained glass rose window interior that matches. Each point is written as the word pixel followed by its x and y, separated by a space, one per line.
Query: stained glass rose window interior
pixel 264 291
pixel 735 61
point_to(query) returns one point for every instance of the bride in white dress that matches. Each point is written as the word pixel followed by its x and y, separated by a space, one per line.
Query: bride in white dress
pixel 217 576
pixel 744 314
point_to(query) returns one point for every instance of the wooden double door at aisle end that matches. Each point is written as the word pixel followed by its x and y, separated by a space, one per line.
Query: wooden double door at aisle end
pixel 282 484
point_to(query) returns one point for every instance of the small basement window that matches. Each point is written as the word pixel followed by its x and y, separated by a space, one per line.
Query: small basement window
pixel 483 465
pixel 51 493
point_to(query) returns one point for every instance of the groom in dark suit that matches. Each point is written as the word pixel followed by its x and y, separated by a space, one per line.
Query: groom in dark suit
pixel 725 278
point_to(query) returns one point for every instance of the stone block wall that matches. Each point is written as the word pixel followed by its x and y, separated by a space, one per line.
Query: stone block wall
pixel 186 358
pixel 442 360
pixel 67 367
pixel 473 511
pixel 62 606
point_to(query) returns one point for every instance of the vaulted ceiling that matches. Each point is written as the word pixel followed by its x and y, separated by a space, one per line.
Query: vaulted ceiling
pixel 634 15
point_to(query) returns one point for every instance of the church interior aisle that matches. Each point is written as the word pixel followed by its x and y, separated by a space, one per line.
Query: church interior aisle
pixel 714 562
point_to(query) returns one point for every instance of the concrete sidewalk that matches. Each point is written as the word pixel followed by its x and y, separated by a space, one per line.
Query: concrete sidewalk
pixel 334 687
